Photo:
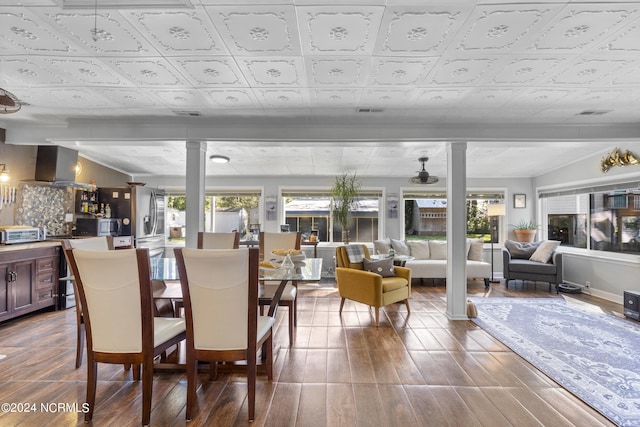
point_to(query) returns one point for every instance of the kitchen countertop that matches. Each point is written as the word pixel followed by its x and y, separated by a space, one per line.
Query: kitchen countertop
pixel 32 245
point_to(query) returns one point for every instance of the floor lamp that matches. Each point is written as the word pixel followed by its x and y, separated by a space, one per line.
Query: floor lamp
pixel 494 210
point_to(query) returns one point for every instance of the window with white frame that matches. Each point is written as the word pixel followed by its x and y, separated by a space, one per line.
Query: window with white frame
pixel 307 211
pixel 425 215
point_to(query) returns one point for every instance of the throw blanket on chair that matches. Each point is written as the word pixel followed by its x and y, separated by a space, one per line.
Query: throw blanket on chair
pixel 355 253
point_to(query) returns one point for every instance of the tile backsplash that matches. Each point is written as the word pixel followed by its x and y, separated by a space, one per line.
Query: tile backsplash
pixel 44 206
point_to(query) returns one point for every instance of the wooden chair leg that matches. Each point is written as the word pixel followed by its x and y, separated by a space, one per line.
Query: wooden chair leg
pixel 192 377
pixel 213 371
pixel 147 389
pixel 406 302
pixel 268 349
pixel 341 305
pixel 92 378
pixel 80 345
pixel 291 323
pixel 377 310
pixel 136 372
pixel 251 384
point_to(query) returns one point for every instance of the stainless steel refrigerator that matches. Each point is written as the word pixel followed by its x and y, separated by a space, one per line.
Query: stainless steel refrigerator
pixel 142 212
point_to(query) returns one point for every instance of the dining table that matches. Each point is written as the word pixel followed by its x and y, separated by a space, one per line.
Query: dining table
pixel 165 270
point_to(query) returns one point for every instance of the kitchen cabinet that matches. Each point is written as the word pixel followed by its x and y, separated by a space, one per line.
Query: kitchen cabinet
pixel 28 279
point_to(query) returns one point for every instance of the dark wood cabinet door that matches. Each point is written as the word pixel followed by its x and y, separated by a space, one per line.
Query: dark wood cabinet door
pixel 5 291
pixel 23 285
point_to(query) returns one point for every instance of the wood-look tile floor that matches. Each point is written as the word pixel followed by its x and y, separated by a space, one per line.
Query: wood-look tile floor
pixel 414 370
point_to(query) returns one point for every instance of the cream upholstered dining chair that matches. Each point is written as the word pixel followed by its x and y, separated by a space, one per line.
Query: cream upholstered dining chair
pixel 267 242
pixel 102 243
pixel 117 300
pixel 220 292
pixel 217 240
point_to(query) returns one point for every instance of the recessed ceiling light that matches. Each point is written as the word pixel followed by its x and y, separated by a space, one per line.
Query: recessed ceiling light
pixel 219 159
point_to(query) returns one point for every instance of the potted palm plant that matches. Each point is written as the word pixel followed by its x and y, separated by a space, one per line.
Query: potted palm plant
pixel 525 230
pixel 344 200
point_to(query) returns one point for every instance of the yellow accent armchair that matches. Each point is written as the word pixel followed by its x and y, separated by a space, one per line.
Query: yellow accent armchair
pixel 369 288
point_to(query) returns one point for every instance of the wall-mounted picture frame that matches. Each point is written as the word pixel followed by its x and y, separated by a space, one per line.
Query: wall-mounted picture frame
pixel 519 201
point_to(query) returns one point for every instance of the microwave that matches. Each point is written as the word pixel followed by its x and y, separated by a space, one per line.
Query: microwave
pixel 98 227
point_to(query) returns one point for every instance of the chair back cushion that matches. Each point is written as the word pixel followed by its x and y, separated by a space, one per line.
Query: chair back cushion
pixel 90 243
pixel 342 258
pixel 218 288
pixel 218 240
pixel 270 241
pixel 110 283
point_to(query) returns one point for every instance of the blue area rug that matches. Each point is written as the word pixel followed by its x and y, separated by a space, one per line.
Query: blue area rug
pixel 595 356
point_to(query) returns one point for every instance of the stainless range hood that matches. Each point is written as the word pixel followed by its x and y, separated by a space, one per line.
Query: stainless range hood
pixel 56 165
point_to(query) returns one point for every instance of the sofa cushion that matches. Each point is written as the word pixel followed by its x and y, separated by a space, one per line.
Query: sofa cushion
pixel 383 267
pixel 438 249
pixel 381 246
pixel 400 246
pixel 476 247
pixel 534 267
pixel 392 283
pixel 521 250
pixel 544 251
pixel 419 249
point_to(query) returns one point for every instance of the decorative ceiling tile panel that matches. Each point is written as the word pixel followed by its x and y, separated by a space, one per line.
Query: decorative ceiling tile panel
pixel 396 71
pixel 182 98
pixel 439 97
pixel 490 97
pixel 336 71
pixel 525 70
pixel 77 98
pixel 339 30
pixel 148 72
pixel 338 98
pixel 497 29
pixel 30 72
pixel 283 98
pixel 22 33
pixel 106 32
pixel 132 98
pixel 626 41
pixel 257 30
pixel 460 71
pixel 388 98
pixel 219 71
pixel 578 26
pixel 88 71
pixel 233 98
pixel 273 71
pixel 543 96
pixel 629 75
pixel 179 32
pixel 417 30
pixel 588 71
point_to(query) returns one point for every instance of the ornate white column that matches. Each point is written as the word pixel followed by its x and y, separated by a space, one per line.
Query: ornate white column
pixel 456 230
pixel 194 185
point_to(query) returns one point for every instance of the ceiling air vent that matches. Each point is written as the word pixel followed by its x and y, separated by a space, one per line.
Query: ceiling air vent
pixel 370 110
pixel 593 112
pixel 188 113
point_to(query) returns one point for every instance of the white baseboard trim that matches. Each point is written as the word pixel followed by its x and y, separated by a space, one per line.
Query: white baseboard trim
pixel 618 299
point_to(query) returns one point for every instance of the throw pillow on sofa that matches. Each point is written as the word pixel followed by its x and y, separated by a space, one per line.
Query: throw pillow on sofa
pixel 419 249
pixel 521 250
pixel 438 249
pixel 545 251
pixel 382 246
pixel 383 267
pixel 400 246
pixel 476 246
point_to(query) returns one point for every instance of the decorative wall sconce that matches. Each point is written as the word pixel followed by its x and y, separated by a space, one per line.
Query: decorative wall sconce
pixel 4 173
pixel 618 158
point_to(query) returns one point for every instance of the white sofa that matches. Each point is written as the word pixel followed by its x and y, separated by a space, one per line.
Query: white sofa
pixel 431 257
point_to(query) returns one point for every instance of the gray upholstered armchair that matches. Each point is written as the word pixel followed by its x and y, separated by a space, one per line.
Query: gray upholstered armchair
pixel 517 265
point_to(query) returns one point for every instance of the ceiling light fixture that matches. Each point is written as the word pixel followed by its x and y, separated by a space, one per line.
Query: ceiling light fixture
pixel 423 176
pixel 9 103
pixel 219 159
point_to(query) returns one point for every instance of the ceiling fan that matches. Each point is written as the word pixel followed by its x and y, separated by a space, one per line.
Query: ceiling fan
pixel 423 176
